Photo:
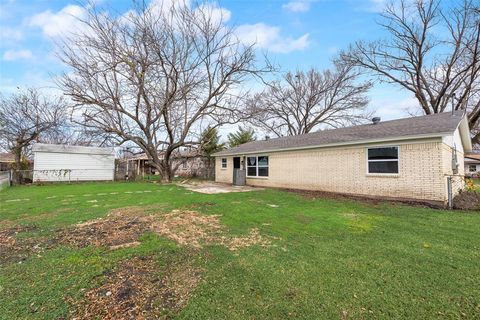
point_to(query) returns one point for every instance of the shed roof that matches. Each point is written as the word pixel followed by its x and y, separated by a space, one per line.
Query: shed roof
pixel 408 128
pixel 60 148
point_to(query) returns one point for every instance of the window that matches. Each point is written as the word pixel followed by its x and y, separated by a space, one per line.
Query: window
pixel 224 163
pixel 257 166
pixel 383 160
pixel 472 168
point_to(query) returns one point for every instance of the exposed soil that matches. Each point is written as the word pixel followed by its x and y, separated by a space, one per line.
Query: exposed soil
pixel 139 289
pixel 312 195
pixel 14 248
pixel 467 200
pixel 119 229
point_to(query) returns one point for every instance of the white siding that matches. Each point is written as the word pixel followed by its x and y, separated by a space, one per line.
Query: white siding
pixel 62 166
pixel 454 141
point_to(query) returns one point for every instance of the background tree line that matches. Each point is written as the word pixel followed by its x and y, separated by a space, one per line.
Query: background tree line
pixel 162 78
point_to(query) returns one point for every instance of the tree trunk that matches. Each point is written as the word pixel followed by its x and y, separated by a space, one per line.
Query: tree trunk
pixel 165 169
pixel 17 151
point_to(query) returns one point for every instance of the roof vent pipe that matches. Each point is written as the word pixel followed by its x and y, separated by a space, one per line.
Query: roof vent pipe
pixel 267 138
pixel 453 102
pixel 376 120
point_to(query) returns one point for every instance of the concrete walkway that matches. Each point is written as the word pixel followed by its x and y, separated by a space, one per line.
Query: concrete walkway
pixel 210 187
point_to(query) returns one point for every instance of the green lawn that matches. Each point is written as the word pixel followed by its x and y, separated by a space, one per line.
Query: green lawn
pixel 325 259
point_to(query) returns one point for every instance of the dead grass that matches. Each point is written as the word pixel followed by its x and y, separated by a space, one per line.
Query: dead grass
pixel 121 228
pixel 137 290
pixel 193 229
pixel 16 249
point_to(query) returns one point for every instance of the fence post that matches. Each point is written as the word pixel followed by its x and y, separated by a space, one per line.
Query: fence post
pixel 449 191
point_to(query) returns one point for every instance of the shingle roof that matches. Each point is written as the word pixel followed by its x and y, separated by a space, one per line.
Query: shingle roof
pixel 430 125
pixel 475 156
pixel 7 157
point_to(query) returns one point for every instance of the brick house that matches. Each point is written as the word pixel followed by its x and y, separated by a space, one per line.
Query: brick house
pixel 472 165
pixel 187 162
pixel 406 158
pixel 6 161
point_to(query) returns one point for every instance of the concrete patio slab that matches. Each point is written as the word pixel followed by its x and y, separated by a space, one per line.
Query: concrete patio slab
pixel 210 187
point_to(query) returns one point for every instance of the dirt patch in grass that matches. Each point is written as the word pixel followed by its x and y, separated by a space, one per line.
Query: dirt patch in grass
pixel 193 229
pixel 313 195
pixel 121 228
pixel 467 200
pixel 15 248
pixel 140 289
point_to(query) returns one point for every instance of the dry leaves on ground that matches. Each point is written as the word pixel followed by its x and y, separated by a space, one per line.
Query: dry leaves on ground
pixel 137 290
pixel 122 228
pixel 16 249
pixel 194 229
pixel 119 229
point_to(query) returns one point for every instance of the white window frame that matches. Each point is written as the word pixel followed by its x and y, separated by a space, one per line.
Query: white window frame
pixel 224 164
pixel 392 160
pixel 257 166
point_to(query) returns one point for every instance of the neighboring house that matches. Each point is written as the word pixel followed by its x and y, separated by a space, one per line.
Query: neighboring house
pixel 472 165
pixel 406 158
pixel 6 160
pixel 188 162
pixel 72 163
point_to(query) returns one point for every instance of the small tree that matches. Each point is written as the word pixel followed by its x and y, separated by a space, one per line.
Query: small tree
pixel 241 136
pixel 210 141
pixel 25 117
pixel 303 101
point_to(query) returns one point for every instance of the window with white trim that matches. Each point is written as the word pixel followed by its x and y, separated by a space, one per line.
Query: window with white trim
pixel 472 168
pixel 224 163
pixel 383 160
pixel 257 166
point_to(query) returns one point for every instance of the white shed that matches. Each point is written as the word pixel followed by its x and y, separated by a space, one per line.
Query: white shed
pixel 53 162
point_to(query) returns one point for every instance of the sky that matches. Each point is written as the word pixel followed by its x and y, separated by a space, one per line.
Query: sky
pixel 297 35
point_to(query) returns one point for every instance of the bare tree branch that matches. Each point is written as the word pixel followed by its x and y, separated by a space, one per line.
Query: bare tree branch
pixel 302 102
pixel 439 71
pixel 154 76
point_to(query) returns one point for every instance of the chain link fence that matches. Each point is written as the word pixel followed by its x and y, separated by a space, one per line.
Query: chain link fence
pixel 455 184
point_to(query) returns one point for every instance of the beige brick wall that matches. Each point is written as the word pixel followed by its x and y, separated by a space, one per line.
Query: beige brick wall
pixel 224 175
pixel 423 167
pixel 458 180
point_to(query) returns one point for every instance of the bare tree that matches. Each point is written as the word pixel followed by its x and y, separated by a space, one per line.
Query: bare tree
pixel 302 102
pixel 157 75
pixel 431 52
pixel 25 117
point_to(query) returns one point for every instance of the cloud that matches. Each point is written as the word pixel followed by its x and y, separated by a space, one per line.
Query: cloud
pixel 55 24
pixel 269 37
pixel 296 6
pixel 11 55
pixel 10 34
pixel 217 13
